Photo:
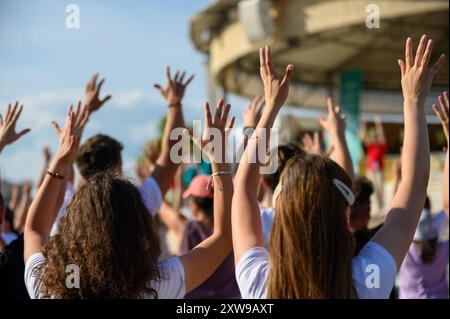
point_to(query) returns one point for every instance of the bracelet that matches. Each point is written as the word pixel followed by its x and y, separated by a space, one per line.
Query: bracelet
pixel 56 175
pixel 219 173
pixel 175 104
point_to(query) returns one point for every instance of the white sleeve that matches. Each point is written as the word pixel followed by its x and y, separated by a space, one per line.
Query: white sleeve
pixel 171 283
pixel 373 271
pixel 67 198
pixel 32 283
pixel 251 273
pixel 151 195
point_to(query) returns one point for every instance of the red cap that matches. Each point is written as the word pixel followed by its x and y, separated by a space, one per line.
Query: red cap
pixel 199 187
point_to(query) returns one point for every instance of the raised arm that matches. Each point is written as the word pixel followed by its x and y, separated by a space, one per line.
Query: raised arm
pixel 172 218
pixel 443 115
pixel 245 216
pixel 20 214
pixel 363 131
pixel 200 263
pixel 42 211
pixel 397 233
pixel 173 92
pixel 335 124
pixel 381 138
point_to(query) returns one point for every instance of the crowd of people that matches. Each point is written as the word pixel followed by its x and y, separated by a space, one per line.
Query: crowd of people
pixel 299 232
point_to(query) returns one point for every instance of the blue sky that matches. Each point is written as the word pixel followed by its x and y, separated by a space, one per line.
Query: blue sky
pixel 46 65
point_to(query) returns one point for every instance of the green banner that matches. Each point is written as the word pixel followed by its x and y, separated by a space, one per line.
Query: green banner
pixel 349 101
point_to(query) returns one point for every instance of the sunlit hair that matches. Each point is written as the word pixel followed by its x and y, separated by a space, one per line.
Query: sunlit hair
pixel 311 247
pixel 108 233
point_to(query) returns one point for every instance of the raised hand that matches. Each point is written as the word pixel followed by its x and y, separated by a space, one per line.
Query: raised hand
pixel 8 134
pixel 68 144
pixel 91 98
pixel 416 76
pixel 175 88
pixel 312 144
pixel 335 122
pixel 252 113
pixel 276 90
pixel 81 117
pixel 442 113
pixel 219 124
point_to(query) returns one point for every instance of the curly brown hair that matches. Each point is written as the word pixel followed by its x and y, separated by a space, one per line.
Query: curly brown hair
pixel 109 234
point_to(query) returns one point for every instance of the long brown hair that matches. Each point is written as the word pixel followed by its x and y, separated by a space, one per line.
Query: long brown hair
pixel 108 233
pixel 310 244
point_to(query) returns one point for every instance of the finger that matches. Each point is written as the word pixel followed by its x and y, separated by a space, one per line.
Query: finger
pixel 77 110
pixel 321 120
pixel 107 98
pixel 231 123
pixel 225 114
pixel 420 50
pixel 167 74
pixel 446 99
pixel 218 114
pixel 288 74
pixel 438 64
pixel 402 65
pixel 208 117
pixel 427 54
pixel 13 112
pixel 1 120
pixel 189 80
pixel 16 117
pixel 94 80
pixel 269 61
pixel 409 52
pixel 176 76
pixel 99 87
pixel 8 113
pixel 337 109
pixel 56 127
pixel 330 105
pixel 183 74
pixel 444 106
pixel 438 112
pixel 23 132
pixel 262 62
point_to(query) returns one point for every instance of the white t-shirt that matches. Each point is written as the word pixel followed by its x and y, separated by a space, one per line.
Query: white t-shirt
pixel 151 195
pixel 373 262
pixel 170 286
pixel 267 217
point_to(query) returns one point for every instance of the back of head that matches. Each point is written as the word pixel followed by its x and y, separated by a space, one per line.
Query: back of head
pixel 360 210
pixel 108 233
pixel 310 246
pixel 285 153
pixel 98 154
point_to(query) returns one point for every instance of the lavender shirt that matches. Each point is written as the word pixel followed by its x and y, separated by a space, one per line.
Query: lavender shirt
pixel 424 281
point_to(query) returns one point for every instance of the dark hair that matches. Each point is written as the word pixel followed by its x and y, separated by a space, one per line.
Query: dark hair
pixel 2 201
pixel 9 216
pixel 427 203
pixel 285 153
pixel 109 234
pixel 363 188
pixel 427 249
pixel 98 154
pixel 205 204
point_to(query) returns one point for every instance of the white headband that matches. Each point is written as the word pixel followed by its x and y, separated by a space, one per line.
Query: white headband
pixel 342 188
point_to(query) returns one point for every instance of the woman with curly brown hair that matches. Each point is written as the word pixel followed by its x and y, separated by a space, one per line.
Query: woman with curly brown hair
pixel 106 246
